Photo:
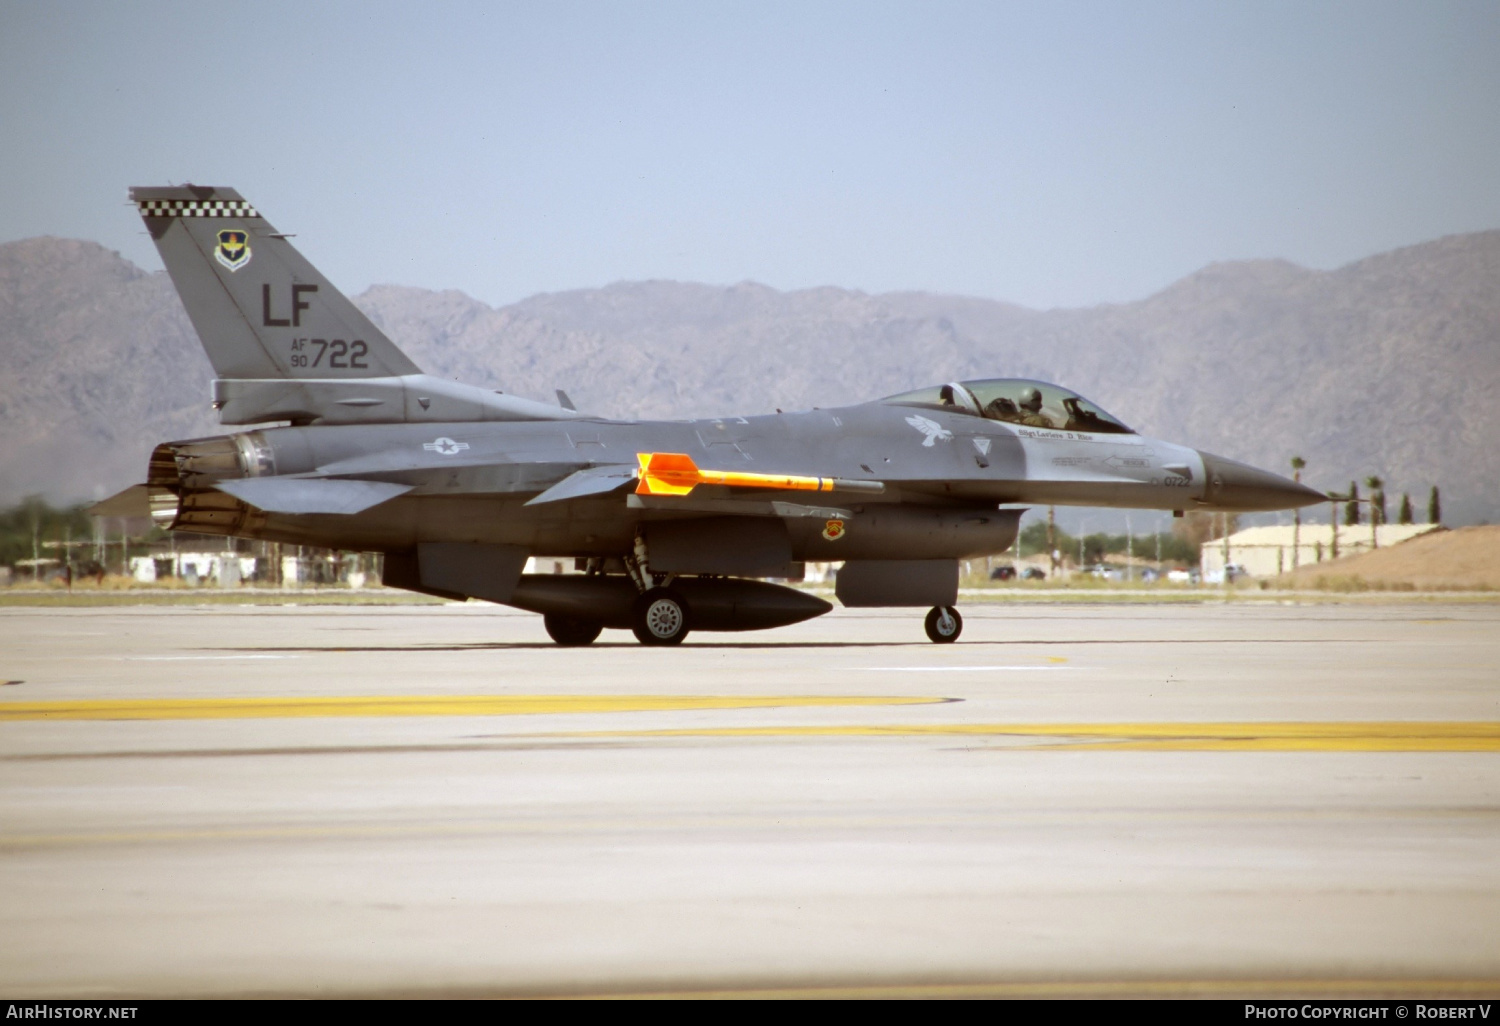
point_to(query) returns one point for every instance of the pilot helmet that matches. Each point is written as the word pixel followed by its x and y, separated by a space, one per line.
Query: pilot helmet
pixel 1031 399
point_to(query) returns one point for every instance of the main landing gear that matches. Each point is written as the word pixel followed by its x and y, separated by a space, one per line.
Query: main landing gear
pixel 571 631
pixel 943 624
pixel 660 618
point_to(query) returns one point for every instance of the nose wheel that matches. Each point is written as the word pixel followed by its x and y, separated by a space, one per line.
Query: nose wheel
pixel 943 624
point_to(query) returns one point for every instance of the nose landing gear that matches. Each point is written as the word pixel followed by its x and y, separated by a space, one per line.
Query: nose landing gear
pixel 943 624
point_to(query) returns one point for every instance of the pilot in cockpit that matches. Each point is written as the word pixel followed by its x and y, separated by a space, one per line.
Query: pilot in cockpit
pixel 1031 409
pixel 1027 411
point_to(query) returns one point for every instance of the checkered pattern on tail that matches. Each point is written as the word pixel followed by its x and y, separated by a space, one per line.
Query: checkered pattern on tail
pixel 196 208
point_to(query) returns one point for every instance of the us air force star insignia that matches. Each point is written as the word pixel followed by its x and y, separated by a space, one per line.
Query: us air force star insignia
pixel 931 428
pixel 833 530
pixel 233 250
pixel 445 446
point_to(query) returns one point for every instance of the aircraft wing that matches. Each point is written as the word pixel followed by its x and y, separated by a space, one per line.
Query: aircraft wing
pixel 589 481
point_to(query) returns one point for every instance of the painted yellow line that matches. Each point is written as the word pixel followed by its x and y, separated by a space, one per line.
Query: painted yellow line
pixel 1396 988
pixel 639 825
pixel 1175 737
pixel 419 705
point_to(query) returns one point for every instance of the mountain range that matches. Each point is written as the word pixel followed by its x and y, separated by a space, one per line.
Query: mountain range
pixel 1389 366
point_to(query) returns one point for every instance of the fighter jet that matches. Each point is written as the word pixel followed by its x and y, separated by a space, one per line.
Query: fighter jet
pixel 676 526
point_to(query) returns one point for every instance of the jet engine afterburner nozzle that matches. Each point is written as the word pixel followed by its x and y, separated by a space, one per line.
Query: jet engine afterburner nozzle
pixel 180 479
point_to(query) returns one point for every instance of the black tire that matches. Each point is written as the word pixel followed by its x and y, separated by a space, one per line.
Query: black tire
pixel 661 618
pixel 943 624
pixel 571 631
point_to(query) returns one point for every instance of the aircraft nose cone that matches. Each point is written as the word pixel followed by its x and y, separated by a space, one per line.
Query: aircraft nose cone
pixel 1234 486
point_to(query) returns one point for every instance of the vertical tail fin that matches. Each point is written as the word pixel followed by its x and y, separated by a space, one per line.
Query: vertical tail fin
pixel 261 310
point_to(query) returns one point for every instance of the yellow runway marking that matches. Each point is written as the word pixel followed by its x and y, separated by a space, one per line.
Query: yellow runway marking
pixel 1262 989
pixel 640 825
pixel 1168 737
pixel 418 705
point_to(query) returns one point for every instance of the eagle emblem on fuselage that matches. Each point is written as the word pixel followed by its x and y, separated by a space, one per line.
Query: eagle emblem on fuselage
pixel 931 428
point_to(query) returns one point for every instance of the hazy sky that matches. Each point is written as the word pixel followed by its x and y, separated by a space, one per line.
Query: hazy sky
pixel 1046 153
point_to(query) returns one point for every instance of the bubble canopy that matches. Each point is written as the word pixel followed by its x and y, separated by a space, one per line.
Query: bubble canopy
pixel 1016 401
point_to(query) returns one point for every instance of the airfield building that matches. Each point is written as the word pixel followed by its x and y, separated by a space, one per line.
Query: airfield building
pixel 1272 550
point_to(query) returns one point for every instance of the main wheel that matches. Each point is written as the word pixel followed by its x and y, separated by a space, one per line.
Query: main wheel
pixel 571 631
pixel 943 624
pixel 661 618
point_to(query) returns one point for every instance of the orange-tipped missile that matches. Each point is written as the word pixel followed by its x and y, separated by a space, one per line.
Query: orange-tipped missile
pixel 675 473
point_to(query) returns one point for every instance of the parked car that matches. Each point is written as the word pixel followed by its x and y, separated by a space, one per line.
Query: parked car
pixel 1033 573
pixel 1003 573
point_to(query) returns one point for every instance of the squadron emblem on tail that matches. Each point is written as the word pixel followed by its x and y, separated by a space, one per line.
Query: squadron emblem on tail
pixel 233 250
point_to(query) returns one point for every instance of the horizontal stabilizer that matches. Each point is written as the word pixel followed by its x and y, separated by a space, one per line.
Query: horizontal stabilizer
pixel 675 473
pixel 132 502
pixel 311 495
pixel 591 481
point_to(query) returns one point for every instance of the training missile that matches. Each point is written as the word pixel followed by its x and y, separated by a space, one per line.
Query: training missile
pixel 675 473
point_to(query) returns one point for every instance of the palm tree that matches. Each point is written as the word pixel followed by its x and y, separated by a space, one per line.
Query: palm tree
pixel 1377 507
pixel 1334 498
pixel 1298 463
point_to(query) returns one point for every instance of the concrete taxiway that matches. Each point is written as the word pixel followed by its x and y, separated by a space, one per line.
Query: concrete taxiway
pixel 1132 799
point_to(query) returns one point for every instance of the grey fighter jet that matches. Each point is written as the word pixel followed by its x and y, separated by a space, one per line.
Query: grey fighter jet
pixel 675 525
